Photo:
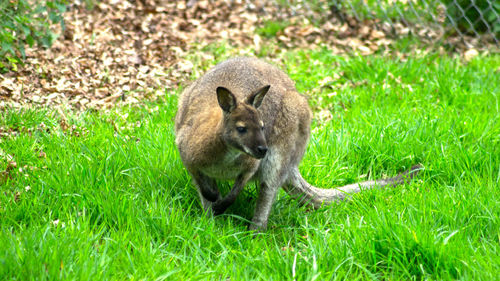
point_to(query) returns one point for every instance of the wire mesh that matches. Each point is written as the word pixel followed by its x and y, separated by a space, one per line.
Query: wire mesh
pixel 471 21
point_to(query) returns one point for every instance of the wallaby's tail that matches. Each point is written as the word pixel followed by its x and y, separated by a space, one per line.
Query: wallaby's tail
pixel 308 194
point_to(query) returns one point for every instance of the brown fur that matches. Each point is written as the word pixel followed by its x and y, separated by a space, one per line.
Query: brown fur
pixel 210 146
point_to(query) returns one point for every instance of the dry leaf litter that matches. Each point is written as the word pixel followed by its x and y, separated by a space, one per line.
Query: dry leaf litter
pixel 122 52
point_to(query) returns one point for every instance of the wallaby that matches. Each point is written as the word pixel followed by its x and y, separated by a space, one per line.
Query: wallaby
pixel 245 120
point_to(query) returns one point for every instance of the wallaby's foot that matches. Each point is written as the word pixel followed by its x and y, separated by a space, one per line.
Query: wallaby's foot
pixel 257 228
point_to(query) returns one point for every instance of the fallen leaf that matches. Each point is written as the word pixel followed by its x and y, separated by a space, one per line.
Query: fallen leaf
pixel 42 154
pixel 470 54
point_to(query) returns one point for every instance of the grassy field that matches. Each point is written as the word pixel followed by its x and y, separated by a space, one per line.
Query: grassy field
pixel 104 195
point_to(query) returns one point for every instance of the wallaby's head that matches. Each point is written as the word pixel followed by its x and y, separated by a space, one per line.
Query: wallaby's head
pixel 243 128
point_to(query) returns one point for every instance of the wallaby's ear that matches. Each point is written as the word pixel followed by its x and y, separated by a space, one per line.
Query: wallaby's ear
pixel 227 100
pixel 256 98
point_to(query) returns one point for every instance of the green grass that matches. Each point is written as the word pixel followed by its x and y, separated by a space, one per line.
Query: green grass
pixel 111 199
pixel 272 28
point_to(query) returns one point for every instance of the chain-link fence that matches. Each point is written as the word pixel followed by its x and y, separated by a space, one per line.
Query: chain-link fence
pixel 473 22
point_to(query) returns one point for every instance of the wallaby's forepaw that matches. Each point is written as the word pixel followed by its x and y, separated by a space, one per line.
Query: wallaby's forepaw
pixel 210 194
pixel 219 207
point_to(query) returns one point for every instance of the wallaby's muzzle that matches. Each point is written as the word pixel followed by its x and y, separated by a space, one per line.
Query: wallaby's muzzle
pixel 261 152
pixel 257 149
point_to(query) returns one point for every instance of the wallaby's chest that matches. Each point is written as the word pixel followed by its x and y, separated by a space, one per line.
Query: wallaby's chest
pixel 228 167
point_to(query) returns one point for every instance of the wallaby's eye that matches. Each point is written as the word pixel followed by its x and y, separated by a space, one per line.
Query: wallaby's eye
pixel 241 130
pixel 262 128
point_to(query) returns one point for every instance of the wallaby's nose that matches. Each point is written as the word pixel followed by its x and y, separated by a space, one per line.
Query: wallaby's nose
pixel 262 150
